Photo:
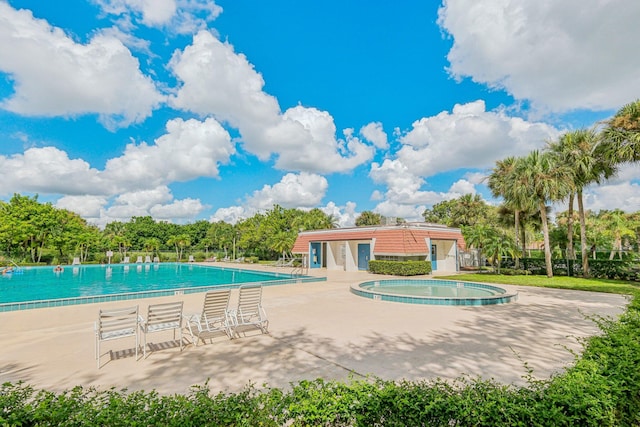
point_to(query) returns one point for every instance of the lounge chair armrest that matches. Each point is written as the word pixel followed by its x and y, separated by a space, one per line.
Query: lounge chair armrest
pixel 191 318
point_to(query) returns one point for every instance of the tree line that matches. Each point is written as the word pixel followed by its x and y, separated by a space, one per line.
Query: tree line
pixel 35 232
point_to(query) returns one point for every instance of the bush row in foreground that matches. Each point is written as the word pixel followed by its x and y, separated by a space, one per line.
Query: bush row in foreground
pixel 602 388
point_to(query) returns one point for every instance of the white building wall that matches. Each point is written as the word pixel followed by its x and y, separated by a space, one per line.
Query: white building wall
pixel 335 255
pixel 446 255
pixel 351 262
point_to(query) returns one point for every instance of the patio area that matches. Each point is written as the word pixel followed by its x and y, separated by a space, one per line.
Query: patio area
pixel 316 330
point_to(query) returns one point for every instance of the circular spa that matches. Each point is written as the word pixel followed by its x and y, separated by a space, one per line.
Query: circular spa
pixel 434 292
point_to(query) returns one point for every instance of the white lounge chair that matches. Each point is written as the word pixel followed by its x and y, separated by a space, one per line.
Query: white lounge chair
pixel 191 258
pixel 125 260
pixel 115 324
pixel 147 259
pixel 76 261
pixel 215 317
pixel 139 260
pixel 162 317
pixel 284 263
pixel 249 313
pixel 156 259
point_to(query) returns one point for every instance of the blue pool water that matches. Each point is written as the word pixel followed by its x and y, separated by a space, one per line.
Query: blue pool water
pixel 434 292
pixel 42 287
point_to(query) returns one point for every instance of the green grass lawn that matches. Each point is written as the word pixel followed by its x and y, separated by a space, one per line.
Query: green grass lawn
pixel 560 282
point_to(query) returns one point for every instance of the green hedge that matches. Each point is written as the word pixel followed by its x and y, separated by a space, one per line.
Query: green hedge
pixel 602 388
pixel 400 268
pixel 598 268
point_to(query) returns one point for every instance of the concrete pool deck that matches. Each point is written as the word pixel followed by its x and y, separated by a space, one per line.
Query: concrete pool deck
pixel 316 330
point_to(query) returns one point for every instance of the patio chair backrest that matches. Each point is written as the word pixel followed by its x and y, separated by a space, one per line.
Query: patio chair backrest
pixel 167 315
pixel 216 303
pixel 249 299
pixel 117 323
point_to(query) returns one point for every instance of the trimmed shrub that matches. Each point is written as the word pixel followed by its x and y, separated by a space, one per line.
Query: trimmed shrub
pixel 400 268
pixel 599 268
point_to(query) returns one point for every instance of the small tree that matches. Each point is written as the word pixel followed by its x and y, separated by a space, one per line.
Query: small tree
pixel 497 245
pixel 180 242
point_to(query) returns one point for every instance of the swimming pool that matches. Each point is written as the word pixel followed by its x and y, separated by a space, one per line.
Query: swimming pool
pixel 433 291
pixel 35 287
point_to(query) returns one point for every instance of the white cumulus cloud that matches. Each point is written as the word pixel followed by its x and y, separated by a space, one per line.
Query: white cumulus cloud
pixel 220 82
pixel 462 187
pixel 190 149
pixel 469 137
pixel 374 132
pixel 303 191
pixel 49 170
pixel 293 191
pixel 55 76
pixel 180 16
pixel 88 207
pixel 557 54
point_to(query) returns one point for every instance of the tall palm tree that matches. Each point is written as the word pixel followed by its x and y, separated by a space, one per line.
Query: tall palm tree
pixel 528 221
pixel 581 152
pixel 544 179
pixel 564 151
pixel 503 182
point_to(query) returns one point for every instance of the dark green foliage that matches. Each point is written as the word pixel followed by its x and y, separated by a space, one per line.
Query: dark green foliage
pixel 612 269
pixel 601 388
pixel 513 272
pixel 600 268
pixel 400 268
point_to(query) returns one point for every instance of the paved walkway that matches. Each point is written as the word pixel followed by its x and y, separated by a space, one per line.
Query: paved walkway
pixel 316 330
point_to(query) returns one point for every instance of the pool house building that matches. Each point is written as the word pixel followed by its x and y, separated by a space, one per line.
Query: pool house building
pixel 350 249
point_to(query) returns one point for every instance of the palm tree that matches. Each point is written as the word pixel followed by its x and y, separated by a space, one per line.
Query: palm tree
pixel 282 242
pixel 580 151
pixel 619 228
pixel 501 183
pixel 497 244
pixel 544 179
pixel 151 244
pixel 471 210
pixel 475 237
pixel 368 218
pixel 180 242
pixel 622 134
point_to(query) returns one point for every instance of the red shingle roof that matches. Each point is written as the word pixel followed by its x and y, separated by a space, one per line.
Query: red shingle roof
pixel 397 240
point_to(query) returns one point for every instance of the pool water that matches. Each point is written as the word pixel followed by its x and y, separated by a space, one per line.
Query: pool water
pixel 81 284
pixel 433 291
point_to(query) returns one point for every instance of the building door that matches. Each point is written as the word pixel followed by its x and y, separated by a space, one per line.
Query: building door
pixel 364 253
pixel 434 257
pixel 315 260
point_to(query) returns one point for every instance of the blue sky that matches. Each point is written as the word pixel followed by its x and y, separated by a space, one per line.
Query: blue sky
pixel 187 110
